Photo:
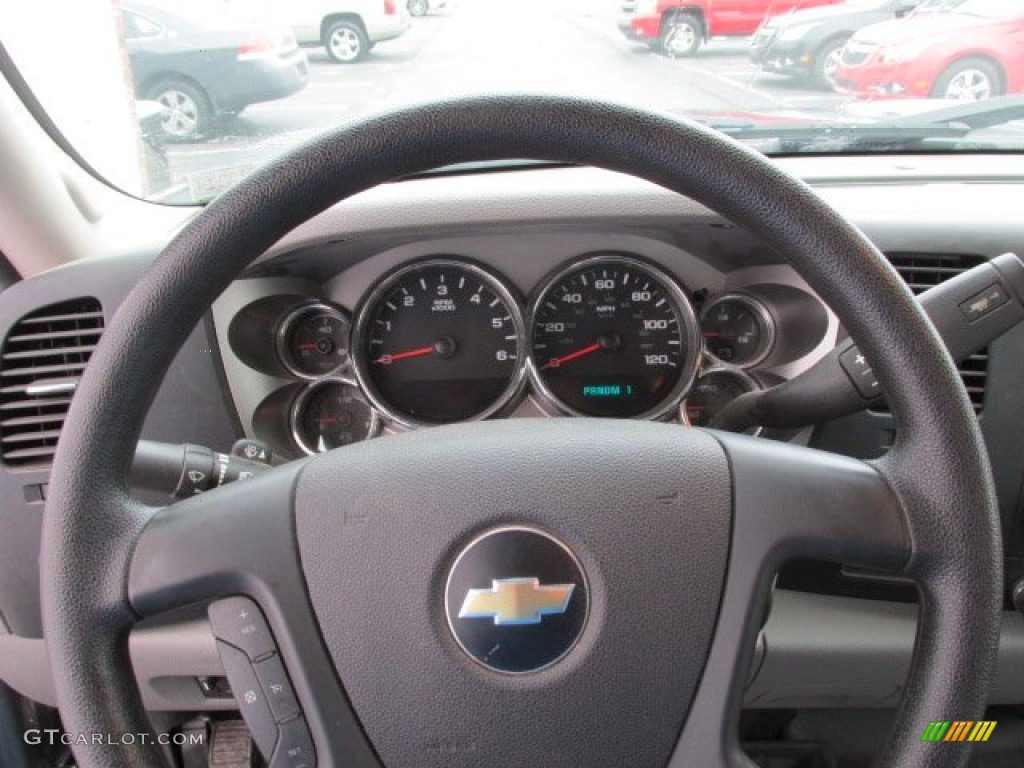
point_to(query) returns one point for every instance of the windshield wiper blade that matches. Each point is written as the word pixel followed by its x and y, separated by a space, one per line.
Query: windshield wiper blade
pixel 947 125
pixel 987 113
pixel 836 137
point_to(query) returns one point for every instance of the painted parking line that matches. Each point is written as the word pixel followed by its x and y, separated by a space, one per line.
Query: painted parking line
pixel 314 86
pixel 733 83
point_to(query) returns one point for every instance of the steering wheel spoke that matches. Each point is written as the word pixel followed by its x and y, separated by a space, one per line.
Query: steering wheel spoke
pixel 788 502
pixel 237 539
pixel 236 547
pixel 792 502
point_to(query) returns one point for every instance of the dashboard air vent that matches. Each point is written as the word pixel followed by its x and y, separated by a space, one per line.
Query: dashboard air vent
pixel 922 271
pixel 40 364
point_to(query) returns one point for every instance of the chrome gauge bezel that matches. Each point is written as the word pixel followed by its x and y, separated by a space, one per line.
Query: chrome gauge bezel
pixel 360 364
pixel 761 312
pixel 688 316
pixel 717 367
pixel 287 323
pixel 302 398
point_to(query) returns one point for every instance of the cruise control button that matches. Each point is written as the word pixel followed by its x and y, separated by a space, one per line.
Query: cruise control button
pixel 294 746
pixel 860 373
pixel 239 621
pixel 249 696
pixel 277 688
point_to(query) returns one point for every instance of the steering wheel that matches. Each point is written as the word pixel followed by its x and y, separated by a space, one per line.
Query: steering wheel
pixel 674 533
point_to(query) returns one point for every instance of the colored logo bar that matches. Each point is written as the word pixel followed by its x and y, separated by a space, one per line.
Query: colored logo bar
pixel 958 730
pixel 516 601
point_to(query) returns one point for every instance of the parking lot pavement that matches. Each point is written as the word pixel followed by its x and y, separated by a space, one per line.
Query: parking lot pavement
pixel 559 46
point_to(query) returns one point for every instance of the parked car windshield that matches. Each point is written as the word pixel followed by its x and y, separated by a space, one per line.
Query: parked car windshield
pixel 174 100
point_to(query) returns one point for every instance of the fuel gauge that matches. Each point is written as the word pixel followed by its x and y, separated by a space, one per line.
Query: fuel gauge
pixel 330 414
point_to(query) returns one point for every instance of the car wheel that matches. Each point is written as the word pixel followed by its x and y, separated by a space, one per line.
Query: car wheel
pixel 969 80
pixel 826 61
pixel 682 36
pixel 188 113
pixel 419 7
pixel 345 41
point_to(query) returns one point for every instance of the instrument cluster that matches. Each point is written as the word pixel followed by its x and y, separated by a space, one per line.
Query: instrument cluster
pixel 445 339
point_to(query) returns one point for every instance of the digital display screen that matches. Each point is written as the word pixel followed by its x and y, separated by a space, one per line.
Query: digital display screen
pixel 607 390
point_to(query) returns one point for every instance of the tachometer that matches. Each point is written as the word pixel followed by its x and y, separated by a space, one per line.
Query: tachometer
pixel 613 336
pixel 440 341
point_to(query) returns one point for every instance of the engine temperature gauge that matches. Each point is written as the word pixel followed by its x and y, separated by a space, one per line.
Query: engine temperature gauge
pixel 330 414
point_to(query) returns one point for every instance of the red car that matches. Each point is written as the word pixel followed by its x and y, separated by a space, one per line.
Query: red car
pixel 973 51
pixel 681 27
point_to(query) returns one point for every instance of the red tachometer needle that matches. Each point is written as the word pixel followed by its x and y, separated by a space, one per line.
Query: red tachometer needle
pixel 557 361
pixel 389 359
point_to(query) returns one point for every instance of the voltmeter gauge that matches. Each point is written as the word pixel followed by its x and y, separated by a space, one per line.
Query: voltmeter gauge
pixel 313 341
pixel 330 414
pixel 711 392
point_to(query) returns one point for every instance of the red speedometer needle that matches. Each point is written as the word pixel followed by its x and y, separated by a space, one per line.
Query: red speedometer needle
pixel 557 361
pixel 389 359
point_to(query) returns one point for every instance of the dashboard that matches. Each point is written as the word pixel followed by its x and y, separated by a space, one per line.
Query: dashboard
pixel 493 327
pixel 313 346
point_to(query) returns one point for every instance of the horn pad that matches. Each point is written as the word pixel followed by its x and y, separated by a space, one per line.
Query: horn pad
pixel 521 592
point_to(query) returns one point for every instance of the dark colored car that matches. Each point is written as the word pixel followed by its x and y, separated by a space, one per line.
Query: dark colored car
pixel 201 64
pixel 806 44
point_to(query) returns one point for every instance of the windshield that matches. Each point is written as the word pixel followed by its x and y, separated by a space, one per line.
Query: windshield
pixel 993 9
pixel 174 101
pixel 867 4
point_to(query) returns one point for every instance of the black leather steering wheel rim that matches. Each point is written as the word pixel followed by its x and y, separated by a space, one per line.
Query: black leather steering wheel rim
pixel 938 467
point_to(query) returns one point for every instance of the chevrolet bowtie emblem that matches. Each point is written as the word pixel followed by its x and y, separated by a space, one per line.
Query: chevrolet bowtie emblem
pixel 516 601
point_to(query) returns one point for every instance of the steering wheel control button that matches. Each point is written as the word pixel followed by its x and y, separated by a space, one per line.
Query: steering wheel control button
pixel 859 371
pixel 252 701
pixel 294 746
pixel 239 622
pixel 277 688
pixel 984 302
pixel 516 600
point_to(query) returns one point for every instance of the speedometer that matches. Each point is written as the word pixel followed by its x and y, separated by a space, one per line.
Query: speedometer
pixel 439 341
pixel 613 336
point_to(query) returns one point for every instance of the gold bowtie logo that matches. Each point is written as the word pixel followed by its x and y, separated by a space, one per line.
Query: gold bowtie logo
pixel 516 601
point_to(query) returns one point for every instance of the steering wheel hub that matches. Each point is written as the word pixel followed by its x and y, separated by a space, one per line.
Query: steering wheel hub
pixel 516 600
